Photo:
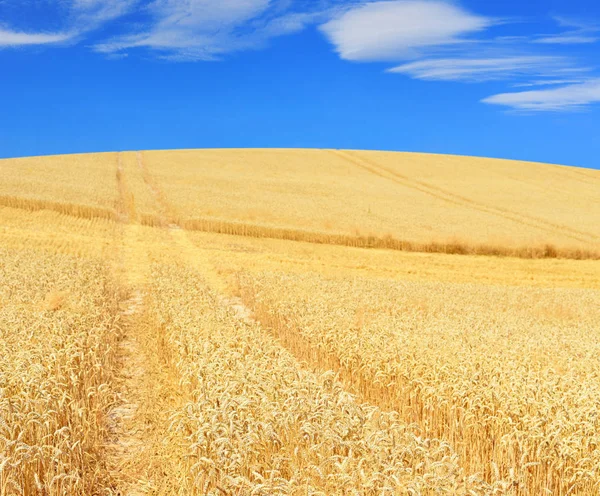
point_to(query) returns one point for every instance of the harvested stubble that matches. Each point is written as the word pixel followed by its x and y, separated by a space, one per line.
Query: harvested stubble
pixel 259 424
pixel 57 336
pixel 508 376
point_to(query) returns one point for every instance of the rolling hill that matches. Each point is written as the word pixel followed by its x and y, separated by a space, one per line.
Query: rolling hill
pixel 286 322
pixel 383 199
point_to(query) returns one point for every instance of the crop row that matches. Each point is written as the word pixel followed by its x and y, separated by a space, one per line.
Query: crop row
pixel 507 376
pixel 259 423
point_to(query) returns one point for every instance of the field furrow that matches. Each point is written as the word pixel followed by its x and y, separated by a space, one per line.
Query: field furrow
pixel 258 423
pixel 455 199
pixel 141 459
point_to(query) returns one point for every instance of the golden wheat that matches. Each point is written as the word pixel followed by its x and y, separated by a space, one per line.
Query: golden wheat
pixel 363 199
pixel 391 200
pixel 79 185
pixel 507 376
pixel 57 334
pixel 260 424
pixel 50 232
pixel 128 368
pixel 227 255
pixel 139 202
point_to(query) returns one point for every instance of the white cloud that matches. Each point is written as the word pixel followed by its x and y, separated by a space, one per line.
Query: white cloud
pixel 440 41
pixel 567 39
pixel 206 29
pixel 581 33
pixel 10 38
pixel 88 14
pixel 426 39
pixel 548 82
pixel 579 24
pixel 82 17
pixel 207 14
pixel 396 30
pixel 571 97
pixel 481 69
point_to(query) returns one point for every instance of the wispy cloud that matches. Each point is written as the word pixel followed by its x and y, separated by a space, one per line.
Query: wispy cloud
pixel 436 40
pixel 579 33
pixel 392 30
pixel 571 97
pixel 206 29
pixel 88 14
pixel 81 17
pixel 550 82
pixel 567 39
pixel 483 69
pixel 180 29
pixel 10 38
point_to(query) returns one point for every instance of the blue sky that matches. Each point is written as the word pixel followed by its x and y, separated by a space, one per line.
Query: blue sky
pixel 511 78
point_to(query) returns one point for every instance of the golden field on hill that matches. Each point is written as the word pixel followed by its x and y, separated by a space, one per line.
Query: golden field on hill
pixel 211 322
pixel 390 200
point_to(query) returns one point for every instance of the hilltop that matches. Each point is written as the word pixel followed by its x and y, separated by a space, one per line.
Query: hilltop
pixel 407 201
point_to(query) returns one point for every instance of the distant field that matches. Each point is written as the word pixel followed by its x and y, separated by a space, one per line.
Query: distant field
pixel 83 185
pixel 405 201
pixel 210 322
pixel 416 198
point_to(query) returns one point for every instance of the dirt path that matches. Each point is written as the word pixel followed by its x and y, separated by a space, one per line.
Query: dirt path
pixel 195 258
pixel 167 213
pixel 127 436
pixel 143 456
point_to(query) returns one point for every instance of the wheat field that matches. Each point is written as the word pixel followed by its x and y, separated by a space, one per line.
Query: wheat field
pixel 298 322
pixel 416 199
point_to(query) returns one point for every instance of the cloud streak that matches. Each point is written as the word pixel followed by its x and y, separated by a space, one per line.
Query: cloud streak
pixel 437 40
pixel 82 17
pixel 567 39
pixel 433 40
pixel 206 30
pixel 581 33
pixel 483 69
pixel 10 38
pixel 89 14
pixel 565 98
